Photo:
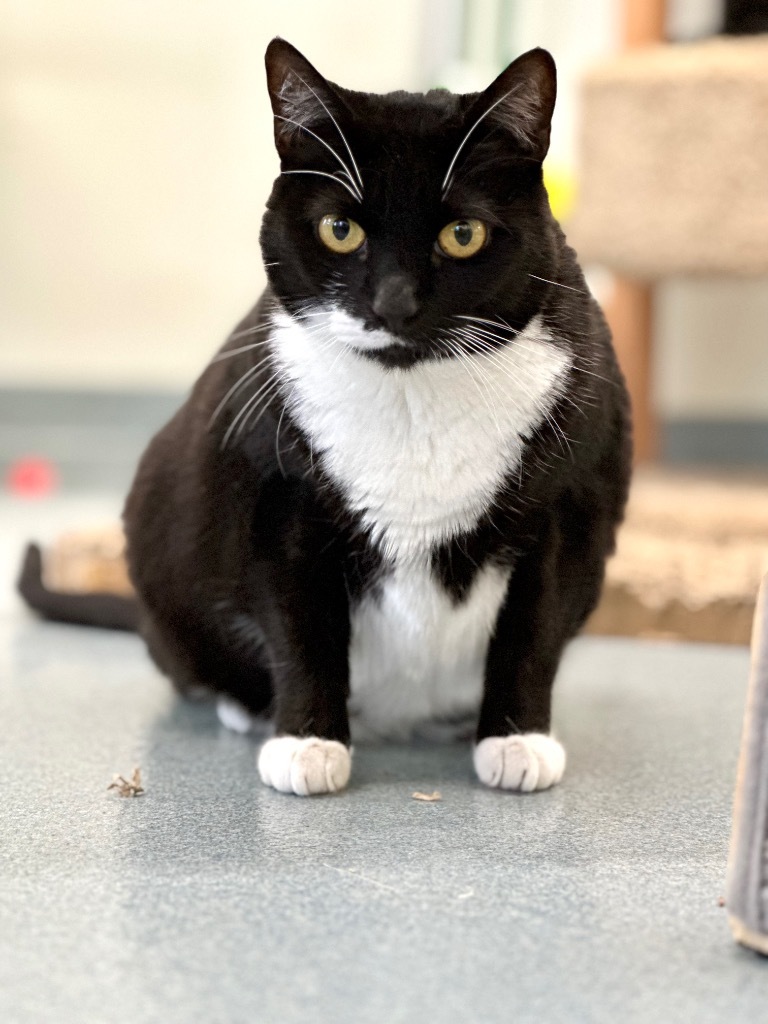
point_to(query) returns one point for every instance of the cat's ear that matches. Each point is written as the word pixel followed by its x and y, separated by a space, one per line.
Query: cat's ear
pixel 302 100
pixel 521 101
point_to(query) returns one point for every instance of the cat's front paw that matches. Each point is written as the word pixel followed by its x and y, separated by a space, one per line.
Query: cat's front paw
pixel 304 766
pixel 524 762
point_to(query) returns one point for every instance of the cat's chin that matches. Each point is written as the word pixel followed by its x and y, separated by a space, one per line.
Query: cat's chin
pixel 398 356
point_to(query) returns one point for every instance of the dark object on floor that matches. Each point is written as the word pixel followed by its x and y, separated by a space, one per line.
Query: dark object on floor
pixel 745 17
pixel 747 898
pixel 89 608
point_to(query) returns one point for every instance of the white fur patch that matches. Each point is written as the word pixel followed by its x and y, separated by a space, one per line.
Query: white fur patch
pixel 523 762
pixel 419 452
pixel 417 658
pixel 233 715
pixel 306 766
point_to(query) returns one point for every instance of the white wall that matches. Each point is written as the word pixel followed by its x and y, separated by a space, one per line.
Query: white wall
pixel 136 152
pixel 136 155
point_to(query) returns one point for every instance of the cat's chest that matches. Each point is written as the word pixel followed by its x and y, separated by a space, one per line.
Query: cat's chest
pixel 417 452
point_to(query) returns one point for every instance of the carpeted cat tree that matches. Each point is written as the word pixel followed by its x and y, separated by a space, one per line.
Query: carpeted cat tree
pixel 674 165
pixel 673 181
pixel 675 160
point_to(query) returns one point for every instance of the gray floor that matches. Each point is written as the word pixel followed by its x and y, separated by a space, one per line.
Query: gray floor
pixel 211 899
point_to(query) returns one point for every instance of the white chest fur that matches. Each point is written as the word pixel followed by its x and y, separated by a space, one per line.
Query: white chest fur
pixel 419 453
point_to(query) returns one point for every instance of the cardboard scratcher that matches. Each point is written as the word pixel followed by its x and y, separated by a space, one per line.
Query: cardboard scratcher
pixel 747 890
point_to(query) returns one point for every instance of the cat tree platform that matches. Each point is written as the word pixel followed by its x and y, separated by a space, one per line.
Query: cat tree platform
pixel 674 160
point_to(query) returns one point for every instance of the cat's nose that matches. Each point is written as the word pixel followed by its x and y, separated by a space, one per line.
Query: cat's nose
pixel 395 300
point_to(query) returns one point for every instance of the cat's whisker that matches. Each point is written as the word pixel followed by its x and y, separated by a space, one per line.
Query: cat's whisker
pixel 448 179
pixel 274 263
pixel 248 331
pixel 564 441
pixel 333 177
pixel 330 149
pixel 483 320
pixel 557 284
pixel 338 129
pixel 454 347
pixel 237 351
pixel 237 386
pixel 277 445
pixel 264 403
pixel 247 406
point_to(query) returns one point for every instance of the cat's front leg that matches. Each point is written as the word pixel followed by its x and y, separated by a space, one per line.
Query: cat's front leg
pixel 304 615
pixel 310 752
pixel 514 748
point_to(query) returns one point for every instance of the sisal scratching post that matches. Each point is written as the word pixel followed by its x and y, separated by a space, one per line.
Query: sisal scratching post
pixel 747 897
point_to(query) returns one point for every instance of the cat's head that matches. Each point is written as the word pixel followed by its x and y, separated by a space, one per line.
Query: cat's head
pixel 396 218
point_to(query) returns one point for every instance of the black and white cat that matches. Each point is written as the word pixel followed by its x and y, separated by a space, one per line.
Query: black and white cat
pixel 387 503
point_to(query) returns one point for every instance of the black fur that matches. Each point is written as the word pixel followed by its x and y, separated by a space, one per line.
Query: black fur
pixel 245 556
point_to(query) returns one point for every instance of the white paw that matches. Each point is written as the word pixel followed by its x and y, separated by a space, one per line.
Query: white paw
pixel 304 766
pixel 233 715
pixel 525 762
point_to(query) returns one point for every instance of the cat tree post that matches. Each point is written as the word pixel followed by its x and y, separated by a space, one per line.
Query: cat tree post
pixel 630 310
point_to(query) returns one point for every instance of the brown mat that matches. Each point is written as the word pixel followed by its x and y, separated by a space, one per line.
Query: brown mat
pixel 690 558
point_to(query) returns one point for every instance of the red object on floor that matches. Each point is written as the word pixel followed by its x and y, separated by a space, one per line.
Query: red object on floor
pixel 32 477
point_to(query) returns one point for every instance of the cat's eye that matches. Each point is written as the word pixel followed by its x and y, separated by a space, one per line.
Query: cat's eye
pixel 340 234
pixel 462 238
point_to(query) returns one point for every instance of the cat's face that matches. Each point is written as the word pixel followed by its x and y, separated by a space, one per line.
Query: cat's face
pixel 415 225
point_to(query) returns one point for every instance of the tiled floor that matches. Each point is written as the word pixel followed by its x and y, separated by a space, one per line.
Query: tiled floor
pixel 211 899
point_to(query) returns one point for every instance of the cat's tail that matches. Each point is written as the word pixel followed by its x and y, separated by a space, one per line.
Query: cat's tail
pixel 106 611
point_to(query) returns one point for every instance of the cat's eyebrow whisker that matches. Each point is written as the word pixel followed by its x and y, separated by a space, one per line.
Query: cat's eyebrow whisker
pixel 333 177
pixel 330 149
pixel 446 186
pixel 338 129
pixel 568 287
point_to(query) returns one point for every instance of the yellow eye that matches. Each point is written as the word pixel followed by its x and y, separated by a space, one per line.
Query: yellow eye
pixel 463 238
pixel 340 234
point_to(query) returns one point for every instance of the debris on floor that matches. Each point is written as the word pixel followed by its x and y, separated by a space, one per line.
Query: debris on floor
pixel 427 797
pixel 125 787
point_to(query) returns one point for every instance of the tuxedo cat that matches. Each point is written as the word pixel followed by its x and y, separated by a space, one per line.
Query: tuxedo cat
pixel 387 503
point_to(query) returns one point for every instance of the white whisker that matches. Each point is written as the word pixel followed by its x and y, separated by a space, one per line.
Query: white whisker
pixel 446 183
pixel 482 320
pixel 249 330
pixel 323 174
pixel 239 383
pixel 277 445
pixel 264 403
pixel 237 351
pixel 338 129
pixel 247 407
pixel 557 284
pixel 330 149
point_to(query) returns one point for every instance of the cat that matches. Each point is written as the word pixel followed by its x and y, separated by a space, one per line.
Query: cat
pixel 387 503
